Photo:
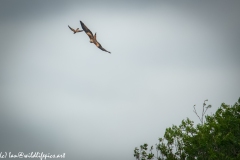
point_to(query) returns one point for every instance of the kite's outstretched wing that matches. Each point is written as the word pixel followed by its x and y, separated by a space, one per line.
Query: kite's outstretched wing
pixel 100 47
pixel 78 30
pixel 71 28
pixel 86 30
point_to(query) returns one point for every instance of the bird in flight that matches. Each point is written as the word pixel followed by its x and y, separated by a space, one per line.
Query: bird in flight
pixel 75 30
pixel 93 39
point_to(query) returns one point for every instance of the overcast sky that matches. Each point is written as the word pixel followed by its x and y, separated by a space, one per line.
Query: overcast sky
pixel 61 94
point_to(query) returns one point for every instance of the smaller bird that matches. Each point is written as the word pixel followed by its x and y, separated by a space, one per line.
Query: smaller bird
pixel 75 30
pixel 93 39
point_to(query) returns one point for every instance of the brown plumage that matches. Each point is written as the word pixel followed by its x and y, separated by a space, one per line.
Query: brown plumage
pixel 93 39
pixel 74 30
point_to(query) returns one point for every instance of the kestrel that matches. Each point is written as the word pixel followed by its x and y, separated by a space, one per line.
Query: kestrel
pixel 93 39
pixel 75 30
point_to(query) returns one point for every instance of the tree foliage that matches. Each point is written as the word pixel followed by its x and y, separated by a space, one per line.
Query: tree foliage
pixel 218 137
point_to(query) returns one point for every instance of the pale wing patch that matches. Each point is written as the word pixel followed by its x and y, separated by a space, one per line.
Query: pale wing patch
pixel 89 34
pixel 97 44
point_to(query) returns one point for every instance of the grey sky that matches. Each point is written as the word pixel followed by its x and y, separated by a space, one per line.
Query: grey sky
pixel 61 94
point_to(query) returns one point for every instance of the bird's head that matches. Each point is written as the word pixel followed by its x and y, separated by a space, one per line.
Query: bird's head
pixel 91 41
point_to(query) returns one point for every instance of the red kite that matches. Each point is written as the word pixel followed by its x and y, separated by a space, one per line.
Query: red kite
pixel 75 30
pixel 93 39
